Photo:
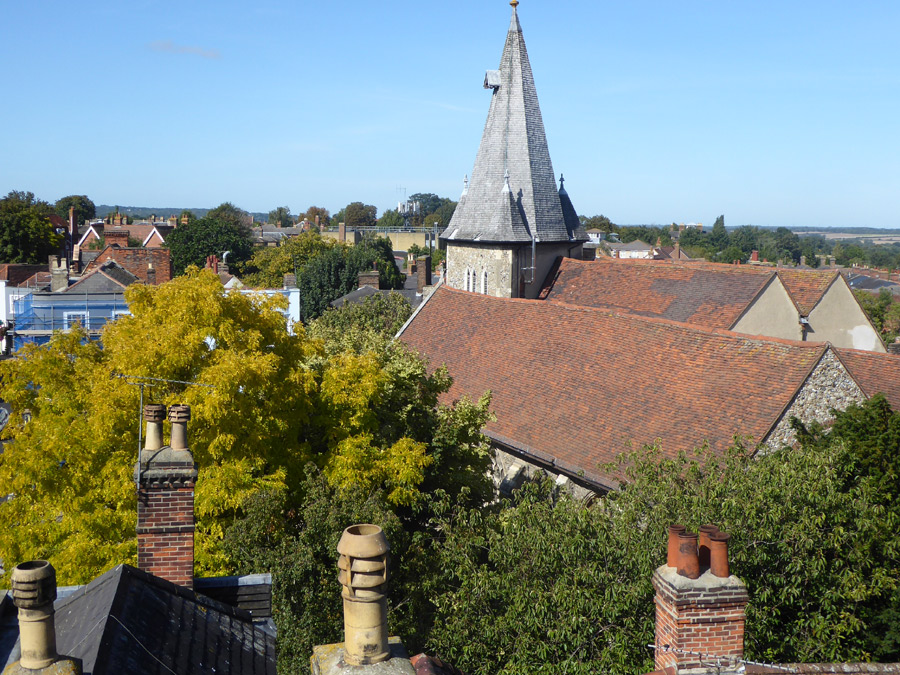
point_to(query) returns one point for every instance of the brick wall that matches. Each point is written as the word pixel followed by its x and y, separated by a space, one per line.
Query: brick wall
pixel 137 261
pixel 704 615
pixel 166 525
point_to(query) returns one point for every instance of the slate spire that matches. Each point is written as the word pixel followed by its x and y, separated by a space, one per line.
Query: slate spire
pixel 513 141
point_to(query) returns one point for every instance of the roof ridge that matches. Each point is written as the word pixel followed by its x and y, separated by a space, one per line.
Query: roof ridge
pixel 641 318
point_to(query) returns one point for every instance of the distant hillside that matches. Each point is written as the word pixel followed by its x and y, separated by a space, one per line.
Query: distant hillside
pixel 138 212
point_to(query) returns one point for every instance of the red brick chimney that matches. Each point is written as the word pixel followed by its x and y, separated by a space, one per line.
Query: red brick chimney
pixel 118 237
pixel 699 609
pixel 166 476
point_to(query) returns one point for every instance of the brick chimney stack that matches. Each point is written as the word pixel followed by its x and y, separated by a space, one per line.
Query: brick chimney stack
pixel 166 476
pixel 699 605
pixel 423 273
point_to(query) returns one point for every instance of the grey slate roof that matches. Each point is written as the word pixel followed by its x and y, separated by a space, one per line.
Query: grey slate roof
pixel 513 141
pixel 110 277
pixel 128 621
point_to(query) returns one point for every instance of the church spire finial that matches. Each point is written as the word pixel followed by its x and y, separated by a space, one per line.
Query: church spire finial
pixel 514 3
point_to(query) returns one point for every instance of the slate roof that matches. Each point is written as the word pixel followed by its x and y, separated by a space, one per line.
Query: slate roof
pixel 579 384
pixel 696 292
pixel 513 141
pixel 128 621
pixel 110 277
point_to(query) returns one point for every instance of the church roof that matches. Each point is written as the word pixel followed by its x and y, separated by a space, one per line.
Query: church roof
pixel 513 141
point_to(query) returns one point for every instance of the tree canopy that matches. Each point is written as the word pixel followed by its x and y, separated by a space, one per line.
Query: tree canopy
pixel 26 234
pixel 268 265
pixel 366 414
pixel 281 217
pixel 357 214
pixel 543 583
pixel 222 229
pixel 84 208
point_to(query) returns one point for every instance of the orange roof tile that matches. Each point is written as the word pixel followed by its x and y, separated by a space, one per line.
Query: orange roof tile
pixel 704 294
pixel 580 384
pixel 807 286
pixel 874 373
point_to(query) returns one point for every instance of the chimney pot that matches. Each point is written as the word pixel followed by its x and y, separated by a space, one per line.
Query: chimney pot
pixel 718 548
pixel 688 559
pixel 34 590
pixel 154 414
pixel 672 553
pixel 703 540
pixel 179 416
pixel 363 566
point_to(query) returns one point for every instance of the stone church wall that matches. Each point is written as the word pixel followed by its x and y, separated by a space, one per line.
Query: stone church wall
pixel 497 261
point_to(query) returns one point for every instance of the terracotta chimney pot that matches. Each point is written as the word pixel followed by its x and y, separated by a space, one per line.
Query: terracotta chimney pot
pixel 705 532
pixel 672 552
pixel 688 559
pixel 363 576
pixel 718 548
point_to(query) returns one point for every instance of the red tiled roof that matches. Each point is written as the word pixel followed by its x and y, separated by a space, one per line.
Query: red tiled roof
pixel 17 273
pixel 698 293
pixel 580 384
pixel 875 373
pixel 701 293
pixel 807 286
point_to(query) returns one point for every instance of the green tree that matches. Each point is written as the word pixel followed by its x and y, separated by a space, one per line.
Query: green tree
pixel 335 272
pixel 600 222
pixel 357 214
pixel 26 235
pixel 382 314
pixel 428 201
pixel 84 208
pixel 391 219
pixel 268 265
pixel 787 243
pixel 366 417
pixel 718 238
pixel 281 217
pixel 222 229
pixel 313 211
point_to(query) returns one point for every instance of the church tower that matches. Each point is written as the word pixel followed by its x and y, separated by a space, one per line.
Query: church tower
pixel 511 222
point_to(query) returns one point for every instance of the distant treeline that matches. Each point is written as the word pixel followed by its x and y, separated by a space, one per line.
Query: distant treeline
pixel 721 244
pixel 141 212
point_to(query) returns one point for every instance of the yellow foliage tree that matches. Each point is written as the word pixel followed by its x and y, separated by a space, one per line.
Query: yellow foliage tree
pixel 275 401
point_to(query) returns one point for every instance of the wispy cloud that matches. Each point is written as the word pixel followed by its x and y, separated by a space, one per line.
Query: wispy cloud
pixel 170 47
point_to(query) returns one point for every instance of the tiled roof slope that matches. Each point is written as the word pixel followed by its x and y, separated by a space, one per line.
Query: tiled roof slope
pixel 580 384
pixel 695 292
pixel 807 286
pixel 703 295
pixel 514 141
pixel 874 373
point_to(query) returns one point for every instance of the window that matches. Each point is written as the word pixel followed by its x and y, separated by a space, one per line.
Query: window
pixel 484 285
pixel 71 318
pixel 13 299
pixel 120 312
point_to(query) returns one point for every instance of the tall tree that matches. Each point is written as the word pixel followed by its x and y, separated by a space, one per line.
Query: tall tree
pixel 357 214
pixel 222 229
pixel 281 217
pixel 718 238
pixel 84 208
pixel 268 265
pixel 278 401
pixel 313 211
pixel 26 235
pixel 391 219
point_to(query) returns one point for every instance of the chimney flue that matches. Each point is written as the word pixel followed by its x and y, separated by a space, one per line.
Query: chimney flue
pixel 154 414
pixel 34 590
pixel 179 416
pixel 672 552
pixel 718 549
pixel 706 531
pixel 363 575
pixel 688 559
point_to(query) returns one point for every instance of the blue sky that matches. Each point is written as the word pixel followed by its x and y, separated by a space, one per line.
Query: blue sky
pixel 773 113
